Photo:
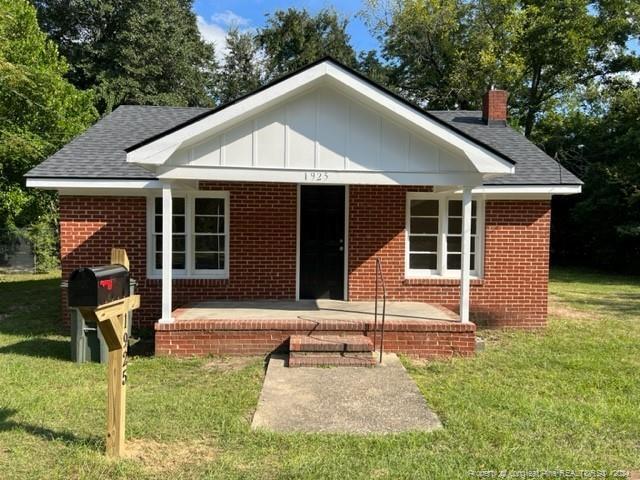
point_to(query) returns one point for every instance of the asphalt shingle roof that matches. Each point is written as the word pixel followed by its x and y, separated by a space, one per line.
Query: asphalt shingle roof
pixel 100 151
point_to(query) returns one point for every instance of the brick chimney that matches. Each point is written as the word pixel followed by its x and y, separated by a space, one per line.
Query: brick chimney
pixel 494 107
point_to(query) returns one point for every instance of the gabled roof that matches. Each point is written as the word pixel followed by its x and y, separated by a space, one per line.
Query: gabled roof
pixel 101 152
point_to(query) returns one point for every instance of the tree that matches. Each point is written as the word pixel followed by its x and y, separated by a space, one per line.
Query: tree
pixel 294 38
pixel 133 51
pixel 39 112
pixel 598 136
pixel 445 54
pixel 240 72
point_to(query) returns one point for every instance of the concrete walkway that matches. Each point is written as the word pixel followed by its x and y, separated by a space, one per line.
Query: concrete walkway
pixel 383 399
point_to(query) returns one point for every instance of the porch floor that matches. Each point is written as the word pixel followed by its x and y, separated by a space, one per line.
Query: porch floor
pixel 314 311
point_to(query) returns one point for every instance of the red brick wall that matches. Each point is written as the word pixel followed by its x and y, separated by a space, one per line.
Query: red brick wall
pixel 194 338
pixel 262 244
pixel 513 291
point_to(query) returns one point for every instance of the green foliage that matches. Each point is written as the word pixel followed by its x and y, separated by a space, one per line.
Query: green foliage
pixel 40 111
pixel 43 238
pixel 446 54
pixel 294 38
pixel 133 51
pixel 599 137
pixel 240 72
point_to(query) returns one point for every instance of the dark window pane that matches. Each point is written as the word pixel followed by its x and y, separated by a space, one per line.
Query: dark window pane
pixel 209 206
pixel 454 244
pixel 473 226
pixel 178 224
pixel 178 261
pixel 428 208
pixel 453 261
pixel 208 224
pixel 178 206
pixel 179 243
pixel 455 225
pixel 158 224
pixel 422 261
pixel 455 208
pixel 424 225
pixel 423 244
pixel 209 261
pixel 209 243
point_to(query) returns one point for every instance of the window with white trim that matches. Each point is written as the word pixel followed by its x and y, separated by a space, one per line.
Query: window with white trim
pixel 200 243
pixel 434 235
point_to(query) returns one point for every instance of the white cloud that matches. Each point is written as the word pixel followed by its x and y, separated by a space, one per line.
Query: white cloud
pixel 230 19
pixel 215 30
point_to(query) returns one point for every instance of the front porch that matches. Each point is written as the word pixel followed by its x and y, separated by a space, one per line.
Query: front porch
pixel 261 327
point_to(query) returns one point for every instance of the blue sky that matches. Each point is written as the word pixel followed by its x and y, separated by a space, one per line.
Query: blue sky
pixel 216 16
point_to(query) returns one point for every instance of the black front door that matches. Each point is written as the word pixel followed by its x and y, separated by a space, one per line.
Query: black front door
pixel 322 242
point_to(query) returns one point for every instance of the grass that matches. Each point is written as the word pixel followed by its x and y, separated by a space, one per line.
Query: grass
pixel 565 398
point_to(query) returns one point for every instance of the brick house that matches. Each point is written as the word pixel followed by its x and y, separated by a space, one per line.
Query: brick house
pixel 272 211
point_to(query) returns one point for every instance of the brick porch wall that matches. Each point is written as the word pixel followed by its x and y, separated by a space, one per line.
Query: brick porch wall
pixel 233 337
pixel 513 291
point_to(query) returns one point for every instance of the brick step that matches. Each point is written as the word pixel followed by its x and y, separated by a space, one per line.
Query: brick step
pixel 331 359
pixel 330 343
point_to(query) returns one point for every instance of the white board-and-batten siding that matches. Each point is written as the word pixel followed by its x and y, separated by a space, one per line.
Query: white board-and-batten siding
pixel 322 130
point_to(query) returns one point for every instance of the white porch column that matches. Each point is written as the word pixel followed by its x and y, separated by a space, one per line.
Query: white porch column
pixel 167 254
pixel 466 254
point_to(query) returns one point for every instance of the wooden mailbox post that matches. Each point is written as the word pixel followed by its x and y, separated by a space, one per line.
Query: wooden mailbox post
pixel 112 319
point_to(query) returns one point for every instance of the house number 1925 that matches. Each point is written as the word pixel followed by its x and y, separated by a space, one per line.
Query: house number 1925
pixel 316 176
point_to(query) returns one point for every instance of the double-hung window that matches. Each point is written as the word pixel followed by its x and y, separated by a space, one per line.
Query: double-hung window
pixel 200 236
pixel 434 235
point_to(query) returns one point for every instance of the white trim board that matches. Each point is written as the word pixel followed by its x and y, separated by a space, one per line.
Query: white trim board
pixel 124 187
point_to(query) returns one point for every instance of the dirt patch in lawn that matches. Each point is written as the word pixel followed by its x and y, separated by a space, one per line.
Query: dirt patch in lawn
pixel 559 309
pixel 159 457
pixel 229 364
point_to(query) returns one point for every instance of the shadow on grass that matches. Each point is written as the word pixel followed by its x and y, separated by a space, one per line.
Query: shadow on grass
pixel 30 307
pixel 39 347
pixel 93 442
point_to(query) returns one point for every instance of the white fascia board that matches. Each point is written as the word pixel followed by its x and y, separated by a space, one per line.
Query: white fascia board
pixel 159 150
pixel 82 183
pixel 326 177
pixel 522 192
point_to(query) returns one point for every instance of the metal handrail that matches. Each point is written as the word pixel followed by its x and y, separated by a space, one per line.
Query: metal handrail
pixel 380 275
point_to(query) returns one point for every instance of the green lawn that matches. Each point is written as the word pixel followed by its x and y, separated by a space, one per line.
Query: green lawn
pixel 567 398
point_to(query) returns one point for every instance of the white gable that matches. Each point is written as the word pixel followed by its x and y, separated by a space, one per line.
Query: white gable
pixel 324 119
pixel 325 130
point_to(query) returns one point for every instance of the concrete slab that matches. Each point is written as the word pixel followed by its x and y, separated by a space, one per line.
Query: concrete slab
pixel 357 400
pixel 315 310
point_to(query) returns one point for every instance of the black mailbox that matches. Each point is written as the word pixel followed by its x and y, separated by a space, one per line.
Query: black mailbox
pixel 95 286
